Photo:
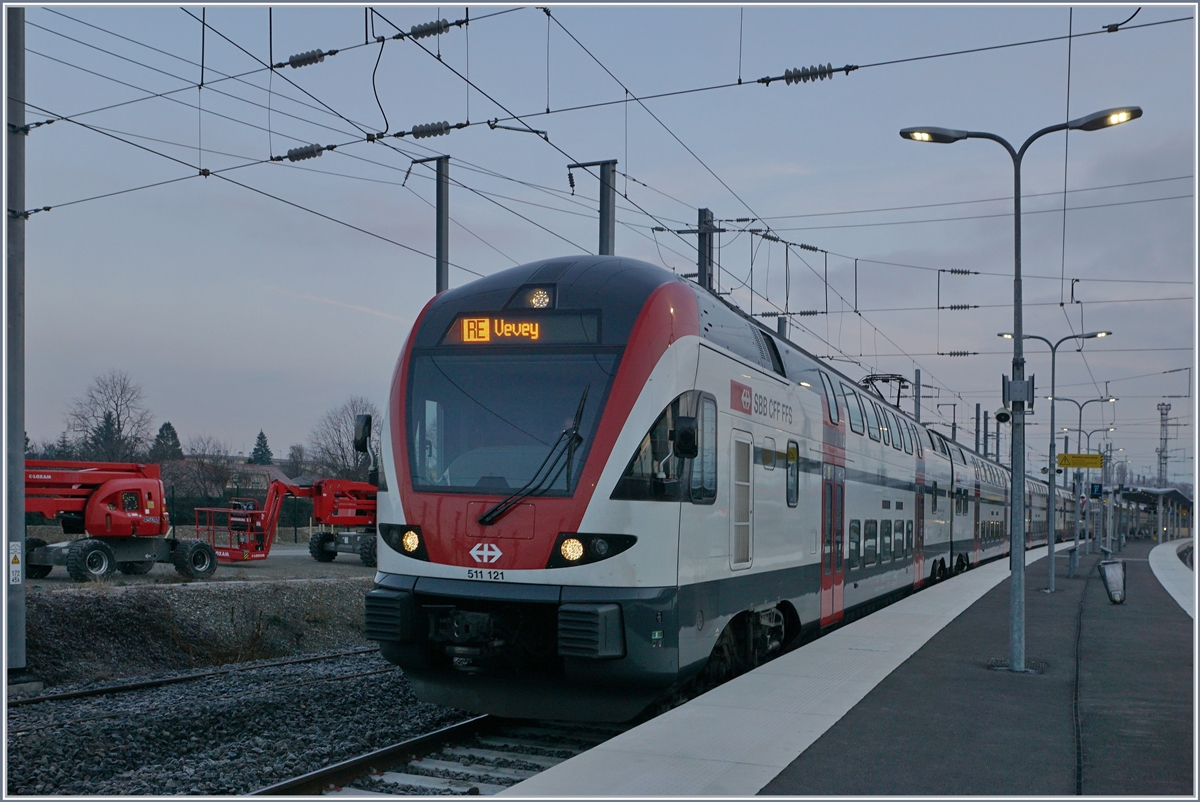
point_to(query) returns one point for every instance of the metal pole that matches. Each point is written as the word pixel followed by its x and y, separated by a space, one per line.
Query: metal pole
pixel 917 395
pixel 704 248
pixel 985 434
pixel 15 345
pixel 608 207
pixel 1016 636
pixel 1052 501
pixel 442 253
pixel 781 326
pixel 977 428
pixel 1160 518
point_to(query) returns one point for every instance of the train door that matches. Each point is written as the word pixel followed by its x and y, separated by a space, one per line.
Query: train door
pixel 741 518
pixel 919 541
pixel 978 499
pixel 833 568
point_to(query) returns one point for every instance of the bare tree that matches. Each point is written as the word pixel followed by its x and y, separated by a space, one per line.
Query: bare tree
pixel 331 444
pixel 296 460
pixel 209 465
pixel 111 420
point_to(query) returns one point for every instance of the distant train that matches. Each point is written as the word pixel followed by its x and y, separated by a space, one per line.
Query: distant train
pixel 600 483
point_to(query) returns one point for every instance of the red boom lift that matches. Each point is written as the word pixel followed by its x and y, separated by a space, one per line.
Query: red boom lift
pixel 244 530
pixel 119 505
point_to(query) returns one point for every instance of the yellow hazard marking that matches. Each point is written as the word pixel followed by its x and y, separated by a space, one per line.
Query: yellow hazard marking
pixel 16 560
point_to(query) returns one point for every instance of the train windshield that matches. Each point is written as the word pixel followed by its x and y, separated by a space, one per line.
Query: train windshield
pixel 492 423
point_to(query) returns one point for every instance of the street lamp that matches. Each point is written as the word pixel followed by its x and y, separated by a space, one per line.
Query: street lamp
pixel 1053 462
pixel 1020 391
pixel 1110 399
pixel 1094 524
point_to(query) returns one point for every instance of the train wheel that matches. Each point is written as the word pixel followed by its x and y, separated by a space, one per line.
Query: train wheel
pixel 722 663
pixel 35 571
pixel 194 559
pixel 316 547
pixel 136 568
pixel 367 552
pixel 89 560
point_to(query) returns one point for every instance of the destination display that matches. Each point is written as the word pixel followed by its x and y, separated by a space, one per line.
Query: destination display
pixel 576 328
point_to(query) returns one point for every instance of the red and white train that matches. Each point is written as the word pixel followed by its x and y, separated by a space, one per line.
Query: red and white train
pixel 600 482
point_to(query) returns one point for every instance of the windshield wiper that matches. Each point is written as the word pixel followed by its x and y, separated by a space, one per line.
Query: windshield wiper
pixel 546 474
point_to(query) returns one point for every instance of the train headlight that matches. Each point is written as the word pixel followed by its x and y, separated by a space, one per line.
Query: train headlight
pixel 405 539
pixel 571 549
pixel 576 548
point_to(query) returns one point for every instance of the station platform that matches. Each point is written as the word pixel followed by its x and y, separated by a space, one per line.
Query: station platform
pixel 909 701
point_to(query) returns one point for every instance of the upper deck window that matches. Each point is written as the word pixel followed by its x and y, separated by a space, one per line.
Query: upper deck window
pixel 853 409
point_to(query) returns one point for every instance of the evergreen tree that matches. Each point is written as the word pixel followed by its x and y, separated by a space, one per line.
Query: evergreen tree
pixel 166 446
pixel 261 455
pixel 103 443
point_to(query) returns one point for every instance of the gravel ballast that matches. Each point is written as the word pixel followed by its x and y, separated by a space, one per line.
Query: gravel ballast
pixel 230 734
pixel 227 734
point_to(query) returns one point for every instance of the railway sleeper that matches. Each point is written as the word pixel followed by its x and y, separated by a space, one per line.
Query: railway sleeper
pixel 467 753
pixel 498 775
pixel 440 783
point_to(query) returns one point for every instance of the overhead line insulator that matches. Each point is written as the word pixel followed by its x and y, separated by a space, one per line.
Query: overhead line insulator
pixel 958 353
pixel 305 59
pixel 959 307
pixel 430 129
pixel 802 75
pixel 429 29
pixel 958 271
pixel 303 152
pixel 812 248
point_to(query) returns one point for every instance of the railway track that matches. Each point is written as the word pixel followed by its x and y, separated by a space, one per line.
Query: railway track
pixel 192 677
pixel 482 755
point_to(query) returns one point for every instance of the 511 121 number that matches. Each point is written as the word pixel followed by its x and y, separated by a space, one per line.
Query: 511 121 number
pixel 479 573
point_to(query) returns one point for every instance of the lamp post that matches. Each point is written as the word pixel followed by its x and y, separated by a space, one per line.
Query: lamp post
pixel 1020 391
pixel 1079 429
pixel 1088 435
pixel 1053 462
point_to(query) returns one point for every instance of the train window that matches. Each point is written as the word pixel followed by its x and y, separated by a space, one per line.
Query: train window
pixel 884 427
pixel 898 539
pixel 853 409
pixel 656 473
pixel 484 423
pixel 870 536
pixel 793 473
pixel 887 505
pixel 906 435
pixel 768 453
pixel 872 419
pixel 908 538
pixel 855 533
pixel 837 525
pixel 835 414
pixel 828 521
pixel 896 426
pixel 961 457
pixel 885 540
pixel 703 484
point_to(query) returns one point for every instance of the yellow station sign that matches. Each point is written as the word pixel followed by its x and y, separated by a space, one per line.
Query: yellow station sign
pixel 1081 460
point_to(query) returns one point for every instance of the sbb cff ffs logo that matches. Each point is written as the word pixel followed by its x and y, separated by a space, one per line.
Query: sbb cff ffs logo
pixel 741 397
pixel 485 553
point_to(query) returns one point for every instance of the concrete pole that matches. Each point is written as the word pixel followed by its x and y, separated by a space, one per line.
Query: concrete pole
pixel 442 254
pixel 1160 518
pixel 608 208
pixel 917 395
pixel 704 248
pixel 15 345
pixel 781 326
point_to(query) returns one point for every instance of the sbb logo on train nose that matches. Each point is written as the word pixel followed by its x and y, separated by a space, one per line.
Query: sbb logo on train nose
pixel 485 553
pixel 741 397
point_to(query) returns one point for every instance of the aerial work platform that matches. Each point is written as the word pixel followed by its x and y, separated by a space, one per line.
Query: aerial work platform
pixel 909 701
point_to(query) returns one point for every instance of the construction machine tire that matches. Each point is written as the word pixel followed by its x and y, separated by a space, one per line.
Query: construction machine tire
pixel 35 571
pixel 89 560
pixel 194 559
pixel 136 568
pixel 316 546
pixel 367 552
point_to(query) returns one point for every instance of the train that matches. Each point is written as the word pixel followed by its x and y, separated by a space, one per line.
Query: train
pixel 601 484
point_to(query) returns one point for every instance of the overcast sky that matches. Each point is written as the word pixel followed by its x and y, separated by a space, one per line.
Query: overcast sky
pixel 237 311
